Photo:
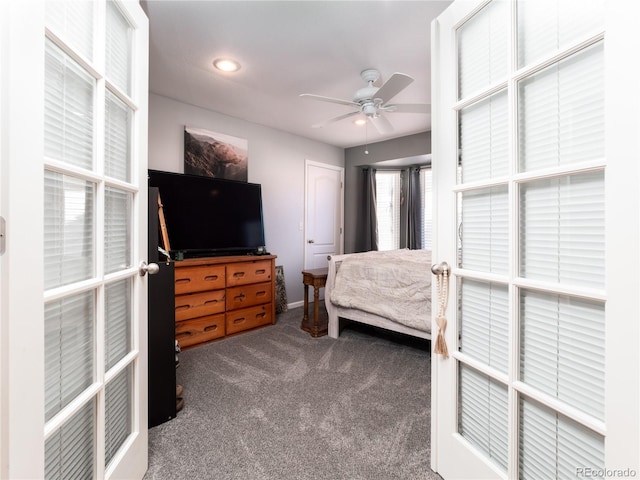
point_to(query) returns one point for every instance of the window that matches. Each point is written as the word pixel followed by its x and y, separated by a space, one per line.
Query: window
pixel 426 190
pixel 388 208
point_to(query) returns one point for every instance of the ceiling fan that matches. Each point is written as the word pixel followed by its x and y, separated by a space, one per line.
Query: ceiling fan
pixel 371 101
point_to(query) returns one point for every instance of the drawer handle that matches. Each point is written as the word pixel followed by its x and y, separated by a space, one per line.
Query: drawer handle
pixel 261 271
pixel 183 334
pixel 236 321
pixel 211 301
pixel 261 293
pixel 211 278
pixel 261 315
pixel 180 281
pixel 239 297
pixel 209 328
pixel 182 307
pixel 239 274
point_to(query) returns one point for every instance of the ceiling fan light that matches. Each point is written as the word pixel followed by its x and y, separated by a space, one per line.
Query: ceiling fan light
pixel 226 65
pixel 360 121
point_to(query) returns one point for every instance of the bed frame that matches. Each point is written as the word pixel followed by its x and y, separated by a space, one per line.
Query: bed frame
pixel 336 313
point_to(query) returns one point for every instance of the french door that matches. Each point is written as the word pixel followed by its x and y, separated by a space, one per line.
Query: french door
pixel 537 215
pixel 75 315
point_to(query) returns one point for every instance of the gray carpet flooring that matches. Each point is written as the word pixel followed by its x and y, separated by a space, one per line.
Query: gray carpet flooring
pixel 277 404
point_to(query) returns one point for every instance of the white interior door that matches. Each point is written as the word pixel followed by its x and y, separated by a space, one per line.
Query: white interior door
pixel 74 306
pixel 528 170
pixel 323 213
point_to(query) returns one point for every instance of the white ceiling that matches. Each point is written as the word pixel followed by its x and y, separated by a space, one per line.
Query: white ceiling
pixel 291 47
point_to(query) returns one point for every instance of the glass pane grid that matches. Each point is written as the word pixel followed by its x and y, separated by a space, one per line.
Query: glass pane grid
pixel 69 109
pixel 118 412
pixel 118 117
pixel 483 49
pixel 553 446
pixel 483 414
pixel 546 26
pixel 484 231
pixel 562 349
pixel 69 350
pixel 117 229
pixel 484 139
pixel 118 48
pixel 561 112
pixel 68 230
pixel 118 321
pixel 70 451
pixel 484 322
pixel 562 237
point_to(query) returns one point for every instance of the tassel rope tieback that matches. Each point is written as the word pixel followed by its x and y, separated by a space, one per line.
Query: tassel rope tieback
pixel 442 282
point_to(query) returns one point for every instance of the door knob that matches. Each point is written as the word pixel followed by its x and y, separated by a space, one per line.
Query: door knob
pixel 151 269
pixel 311 241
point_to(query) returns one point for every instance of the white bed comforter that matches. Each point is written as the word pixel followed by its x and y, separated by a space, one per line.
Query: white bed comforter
pixel 393 284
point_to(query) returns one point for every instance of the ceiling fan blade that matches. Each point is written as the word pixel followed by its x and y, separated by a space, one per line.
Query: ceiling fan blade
pixel 393 86
pixel 408 108
pixel 330 99
pixel 336 119
pixel 382 124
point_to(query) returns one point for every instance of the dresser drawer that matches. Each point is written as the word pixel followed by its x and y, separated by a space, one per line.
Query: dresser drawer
pixel 247 318
pixel 199 330
pixel 248 295
pixel 192 305
pixel 199 278
pixel 248 272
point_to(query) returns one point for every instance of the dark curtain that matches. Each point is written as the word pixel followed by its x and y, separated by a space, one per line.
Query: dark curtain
pixel 368 220
pixel 414 210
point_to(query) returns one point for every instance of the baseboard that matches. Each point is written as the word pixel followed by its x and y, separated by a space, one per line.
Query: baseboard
pixel 295 304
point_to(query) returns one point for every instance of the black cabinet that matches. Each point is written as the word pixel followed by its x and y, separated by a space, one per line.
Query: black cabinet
pixel 161 327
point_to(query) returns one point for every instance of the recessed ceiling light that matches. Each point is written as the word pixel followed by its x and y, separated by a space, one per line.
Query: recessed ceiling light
pixel 226 65
pixel 360 121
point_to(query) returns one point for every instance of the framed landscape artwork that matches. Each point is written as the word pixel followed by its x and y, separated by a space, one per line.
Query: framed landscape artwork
pixel 214 154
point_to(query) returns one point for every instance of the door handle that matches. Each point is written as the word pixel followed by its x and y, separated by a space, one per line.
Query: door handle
pixel 440 268
pixel 151 269
pixel 311 241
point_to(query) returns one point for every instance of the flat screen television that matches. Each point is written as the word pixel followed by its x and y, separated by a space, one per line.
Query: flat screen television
pixel 210 216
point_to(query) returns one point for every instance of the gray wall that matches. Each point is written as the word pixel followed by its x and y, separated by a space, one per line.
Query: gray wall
pixel 276 160
pixel 400 148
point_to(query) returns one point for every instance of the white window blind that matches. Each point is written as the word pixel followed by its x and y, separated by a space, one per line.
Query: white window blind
pixel 482 52
pixel 118 412
pixel 545 26
pixel 388 209
pixel 552 446
pixel 117 229
pixel 68 229
pixel 562 230
pixel 484 140
pixel 426 188
pixel 484 231
pixel 68 119
pixel 562 349
pixel 69 350
pixel 118 336
pixel 117 138
pixel 562 112
pixel 118 48
pixel 73 21
pixel 484 319
pixel 70 451
pixel 483 418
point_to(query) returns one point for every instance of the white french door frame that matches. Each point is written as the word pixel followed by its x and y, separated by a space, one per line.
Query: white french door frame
pixel 452 455
pixel 22 327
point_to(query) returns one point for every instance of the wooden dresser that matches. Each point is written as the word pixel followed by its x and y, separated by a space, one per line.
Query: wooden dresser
pixel 219 296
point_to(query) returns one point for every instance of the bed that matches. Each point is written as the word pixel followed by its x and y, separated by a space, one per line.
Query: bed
pixel 390 289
